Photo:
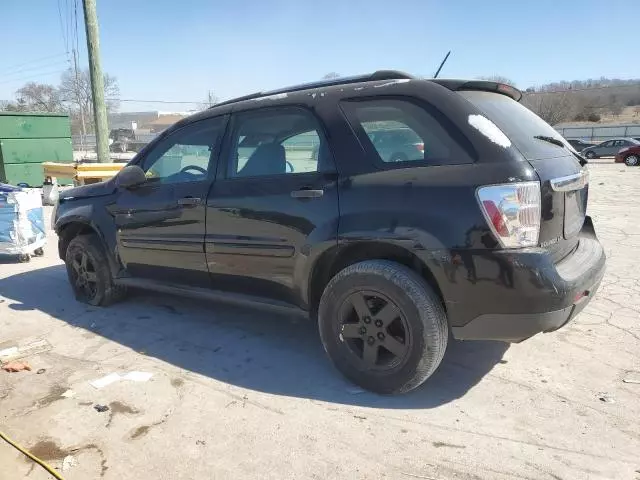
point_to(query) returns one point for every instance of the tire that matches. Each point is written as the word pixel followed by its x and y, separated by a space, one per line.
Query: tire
pixel 85 257
pixel 632 160
pixel 384 286
pixel 590 155
pixel 24 258
pixel 38 252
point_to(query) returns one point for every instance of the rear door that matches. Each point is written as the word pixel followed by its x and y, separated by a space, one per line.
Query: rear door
pixel 274 203
pixel 564 183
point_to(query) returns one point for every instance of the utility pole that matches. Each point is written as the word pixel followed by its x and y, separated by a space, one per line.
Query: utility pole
pixel 97 80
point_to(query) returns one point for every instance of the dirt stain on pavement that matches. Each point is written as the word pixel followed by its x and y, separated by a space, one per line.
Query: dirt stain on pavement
pixel 445 444
pixel 47 450
pixel 140 432
pixel 117 407
pixel 177 382
pixel 55 394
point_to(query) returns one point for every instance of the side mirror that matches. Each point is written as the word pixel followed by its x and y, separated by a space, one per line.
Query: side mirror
pixel 130 176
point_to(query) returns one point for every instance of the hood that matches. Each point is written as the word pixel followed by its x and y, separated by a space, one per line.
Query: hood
pixel 88 191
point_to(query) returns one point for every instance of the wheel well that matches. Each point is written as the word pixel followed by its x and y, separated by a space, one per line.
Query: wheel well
pixel 68 233
pixel 332 262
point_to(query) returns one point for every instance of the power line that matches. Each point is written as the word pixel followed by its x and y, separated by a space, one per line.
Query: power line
pixel 35 75
pixel 75 14
pixel 39 60
pixel 35 67
pixel 148 101
pixel 64 39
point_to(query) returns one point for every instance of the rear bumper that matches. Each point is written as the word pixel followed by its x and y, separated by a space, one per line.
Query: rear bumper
pixel 564 290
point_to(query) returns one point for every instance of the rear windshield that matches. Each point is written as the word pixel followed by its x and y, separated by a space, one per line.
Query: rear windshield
pixel 519 123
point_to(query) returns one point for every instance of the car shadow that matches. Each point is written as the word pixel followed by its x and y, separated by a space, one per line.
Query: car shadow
pixel 247 347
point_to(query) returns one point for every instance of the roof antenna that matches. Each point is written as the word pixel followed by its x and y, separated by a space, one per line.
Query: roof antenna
pixel 442 64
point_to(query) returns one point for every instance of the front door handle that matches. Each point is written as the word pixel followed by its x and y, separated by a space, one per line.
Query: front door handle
pixel 189 201
pixel 307 193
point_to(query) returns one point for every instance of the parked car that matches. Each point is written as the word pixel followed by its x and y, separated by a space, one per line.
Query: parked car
pixel 629 156
pixel 579 145
pixel 609 148
pixel 397 144
pixel 483 237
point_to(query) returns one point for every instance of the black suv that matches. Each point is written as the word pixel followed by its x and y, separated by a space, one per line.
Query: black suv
pixel 283 198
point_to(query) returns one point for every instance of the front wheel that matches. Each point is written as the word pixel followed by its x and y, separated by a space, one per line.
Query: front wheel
pixel 382 326
pixel 632 160
pixel 89 273
pixel 590 155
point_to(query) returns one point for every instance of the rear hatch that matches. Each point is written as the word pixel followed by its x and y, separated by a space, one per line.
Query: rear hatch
pixel 563 181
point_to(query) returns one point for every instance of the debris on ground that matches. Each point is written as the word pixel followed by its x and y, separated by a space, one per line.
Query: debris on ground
pixel 100 408
pixel 8 352
pixel 41 371
pixel 116 377
pixel 634 378
pixel 606 398
pixel 15 366
pixel 68 463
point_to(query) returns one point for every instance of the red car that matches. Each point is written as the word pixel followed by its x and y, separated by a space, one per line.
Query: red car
pixel 629 156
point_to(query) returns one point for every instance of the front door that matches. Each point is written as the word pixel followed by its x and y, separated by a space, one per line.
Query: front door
pixel 161 224
pixel 273 205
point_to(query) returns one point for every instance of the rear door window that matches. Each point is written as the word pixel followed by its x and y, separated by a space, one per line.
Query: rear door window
pixel 400 132
pixel 519 123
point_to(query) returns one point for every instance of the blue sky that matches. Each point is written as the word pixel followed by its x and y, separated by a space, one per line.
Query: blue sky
pixel 178 50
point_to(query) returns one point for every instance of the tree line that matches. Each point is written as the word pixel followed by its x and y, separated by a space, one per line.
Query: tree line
pixel 72 96
pixel 580 100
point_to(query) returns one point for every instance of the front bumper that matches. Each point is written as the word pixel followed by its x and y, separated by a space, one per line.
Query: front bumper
pixel 564 290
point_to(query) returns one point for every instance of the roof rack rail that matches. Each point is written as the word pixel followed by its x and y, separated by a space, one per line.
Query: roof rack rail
pixel 369 77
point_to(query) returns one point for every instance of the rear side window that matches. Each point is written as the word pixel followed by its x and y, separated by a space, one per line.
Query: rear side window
pixel 518 123
pixel 401 132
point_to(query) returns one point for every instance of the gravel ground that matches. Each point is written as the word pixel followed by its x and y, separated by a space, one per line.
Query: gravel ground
pixel 240 393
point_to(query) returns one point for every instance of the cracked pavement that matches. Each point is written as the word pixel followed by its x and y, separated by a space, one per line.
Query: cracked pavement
pixel 240 393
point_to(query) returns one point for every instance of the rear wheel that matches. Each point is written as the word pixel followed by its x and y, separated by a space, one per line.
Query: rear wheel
pixel 89 274
pixel 590 155
pixel 382 326
pixel 632 160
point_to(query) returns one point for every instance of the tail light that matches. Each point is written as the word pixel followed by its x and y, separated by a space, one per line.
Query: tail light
pixel 513 212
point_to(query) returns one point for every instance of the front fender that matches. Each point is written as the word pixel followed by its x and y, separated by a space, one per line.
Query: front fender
pixel 93 218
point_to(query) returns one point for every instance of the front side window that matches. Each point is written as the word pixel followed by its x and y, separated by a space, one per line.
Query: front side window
pixel 187 155
pixel 400 131
pixel 277 142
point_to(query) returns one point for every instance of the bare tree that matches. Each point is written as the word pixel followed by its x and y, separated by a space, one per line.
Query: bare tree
pixel 331 76
pixel 210 101
pixel 75 92
pixel 498 79
pixel 552 109
pixel 39 97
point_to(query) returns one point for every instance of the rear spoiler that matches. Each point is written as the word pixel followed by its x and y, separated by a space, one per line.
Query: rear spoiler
pixel 481 85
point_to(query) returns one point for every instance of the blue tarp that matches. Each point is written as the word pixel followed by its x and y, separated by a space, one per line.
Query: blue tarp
pixel 22 227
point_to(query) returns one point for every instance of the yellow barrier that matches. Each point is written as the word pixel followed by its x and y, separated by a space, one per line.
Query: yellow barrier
pixel 82 173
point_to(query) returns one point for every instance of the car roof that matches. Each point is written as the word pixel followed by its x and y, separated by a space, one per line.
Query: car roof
pixel 301 94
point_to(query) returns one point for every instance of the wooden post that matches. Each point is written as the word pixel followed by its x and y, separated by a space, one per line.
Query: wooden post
pixel 97 80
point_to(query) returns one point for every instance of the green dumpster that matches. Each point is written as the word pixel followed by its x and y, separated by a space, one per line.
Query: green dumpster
pixel 27 139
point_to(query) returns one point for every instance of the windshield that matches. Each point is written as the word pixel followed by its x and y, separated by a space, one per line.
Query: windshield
pixel 519 123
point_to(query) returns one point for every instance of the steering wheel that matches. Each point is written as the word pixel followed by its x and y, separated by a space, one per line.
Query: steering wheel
pixel 289 168
pixel 194 167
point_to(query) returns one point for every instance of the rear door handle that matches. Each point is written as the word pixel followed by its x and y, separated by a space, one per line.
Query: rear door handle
pixel 307 193
pixel 189 201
